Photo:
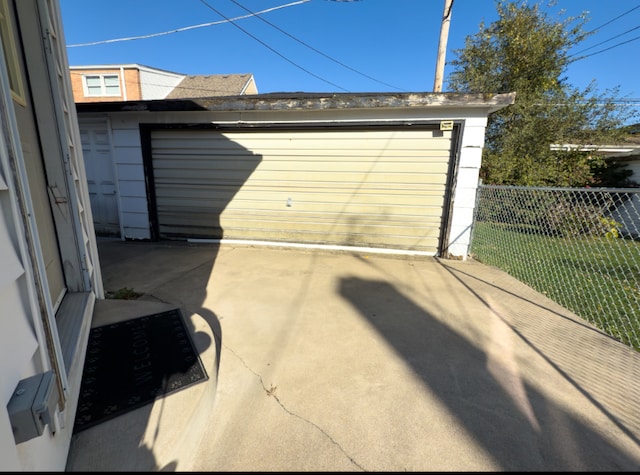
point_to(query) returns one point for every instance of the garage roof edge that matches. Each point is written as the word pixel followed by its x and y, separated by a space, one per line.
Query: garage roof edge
pixel 308 101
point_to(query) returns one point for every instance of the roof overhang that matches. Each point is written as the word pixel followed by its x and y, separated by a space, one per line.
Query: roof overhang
pixel 629 152
pixel 310 101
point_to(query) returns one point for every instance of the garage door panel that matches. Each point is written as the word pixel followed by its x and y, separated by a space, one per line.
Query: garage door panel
pixel 216 226
pixel 313 154
pixel 211 177
pixel 423 244
pixel 280 188
pixel 171 141
pixel 381 188
pixel 354 166
pixel 312 233
pixel 398 225
pixel 173 195
pixel 332 208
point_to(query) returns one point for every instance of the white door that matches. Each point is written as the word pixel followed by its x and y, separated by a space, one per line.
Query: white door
pixel 101 177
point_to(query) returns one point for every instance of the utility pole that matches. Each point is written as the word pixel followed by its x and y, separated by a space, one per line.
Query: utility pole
pixel 442 45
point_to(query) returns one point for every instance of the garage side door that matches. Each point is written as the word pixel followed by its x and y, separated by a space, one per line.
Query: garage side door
pixel 101 176
pixel 374 188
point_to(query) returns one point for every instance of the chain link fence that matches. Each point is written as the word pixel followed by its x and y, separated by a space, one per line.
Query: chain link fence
pixel 580 247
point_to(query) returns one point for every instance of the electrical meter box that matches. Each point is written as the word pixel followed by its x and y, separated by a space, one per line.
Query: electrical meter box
pixel 32 406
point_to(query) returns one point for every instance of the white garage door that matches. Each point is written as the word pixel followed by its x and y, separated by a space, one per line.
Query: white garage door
pixel 372 188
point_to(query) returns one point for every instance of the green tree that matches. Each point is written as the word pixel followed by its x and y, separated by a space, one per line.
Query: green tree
pixel 527 52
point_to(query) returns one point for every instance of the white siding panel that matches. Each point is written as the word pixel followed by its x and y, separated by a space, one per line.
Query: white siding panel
pixel 129 137
pixel 471 157
pixel 19 342
pixel 131 172
pixel 135 205
pixel 157 84
pixel 132 187
pixel 464 193
pixel 467 178
pixel 377 188
pixel 140 232
pixel 129 155
pixel 11 267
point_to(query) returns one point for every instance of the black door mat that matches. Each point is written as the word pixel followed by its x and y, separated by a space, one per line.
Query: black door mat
pixel 129 364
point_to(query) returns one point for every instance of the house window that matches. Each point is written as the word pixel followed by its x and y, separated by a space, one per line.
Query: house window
pixel 101 85
pixel 10 54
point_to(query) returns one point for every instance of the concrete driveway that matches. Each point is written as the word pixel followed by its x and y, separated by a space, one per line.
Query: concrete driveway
pixel 332 361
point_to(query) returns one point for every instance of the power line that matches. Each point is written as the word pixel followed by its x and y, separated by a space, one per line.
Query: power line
pixel 272 49
pixel 314 49
pixel 186 28
pixel 614 19
pixel 603 50
pixel 573 57
pixel 606 41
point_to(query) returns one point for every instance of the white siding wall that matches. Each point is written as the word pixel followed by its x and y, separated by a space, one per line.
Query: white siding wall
pixel 127 154
pixel 466 186
pixel 157 84
pixel 18 342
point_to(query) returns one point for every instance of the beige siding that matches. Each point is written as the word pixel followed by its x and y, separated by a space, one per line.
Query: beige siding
pixel 378 188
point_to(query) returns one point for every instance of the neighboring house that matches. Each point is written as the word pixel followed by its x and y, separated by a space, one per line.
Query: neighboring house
pixel 381 172
pixel 628 214
pixel 134 82
pixel 49 267
pixel 627 154
pixel 631 143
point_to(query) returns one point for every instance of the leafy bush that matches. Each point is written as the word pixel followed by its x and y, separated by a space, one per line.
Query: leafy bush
pixel 581 219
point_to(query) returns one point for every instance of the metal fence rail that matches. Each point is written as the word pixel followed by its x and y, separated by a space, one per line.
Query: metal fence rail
pixel 580 247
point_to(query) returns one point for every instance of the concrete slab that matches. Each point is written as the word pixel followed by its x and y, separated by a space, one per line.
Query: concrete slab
pixel 335 361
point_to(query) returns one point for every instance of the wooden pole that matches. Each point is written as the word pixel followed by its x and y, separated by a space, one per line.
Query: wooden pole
pixel 442 46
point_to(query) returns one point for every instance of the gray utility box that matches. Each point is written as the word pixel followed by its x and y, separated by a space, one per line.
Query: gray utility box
pixel 32 406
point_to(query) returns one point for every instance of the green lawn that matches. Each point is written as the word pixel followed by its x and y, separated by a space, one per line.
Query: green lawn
pixel 596 278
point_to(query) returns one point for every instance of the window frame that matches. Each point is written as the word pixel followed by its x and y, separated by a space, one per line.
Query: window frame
pixel 104 87
pixel 14 71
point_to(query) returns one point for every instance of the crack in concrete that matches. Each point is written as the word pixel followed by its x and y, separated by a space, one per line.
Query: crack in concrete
pixel 270 392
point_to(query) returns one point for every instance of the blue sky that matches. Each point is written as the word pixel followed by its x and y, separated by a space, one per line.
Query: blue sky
pixel 329 45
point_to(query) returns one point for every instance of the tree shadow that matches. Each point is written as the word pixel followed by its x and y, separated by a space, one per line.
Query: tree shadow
pixel 517 425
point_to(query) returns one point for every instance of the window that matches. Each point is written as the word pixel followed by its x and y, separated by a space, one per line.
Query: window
pixel 10 55
pixel 101 85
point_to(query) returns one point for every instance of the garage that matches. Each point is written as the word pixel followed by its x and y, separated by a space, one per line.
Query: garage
pixel 374 172
pixel 379 187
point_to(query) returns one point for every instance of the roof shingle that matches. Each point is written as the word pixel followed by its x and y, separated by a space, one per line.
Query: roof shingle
pixel 210 85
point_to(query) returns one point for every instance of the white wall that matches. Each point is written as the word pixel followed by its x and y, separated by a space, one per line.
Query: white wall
pixel 157 84
pixel 466 186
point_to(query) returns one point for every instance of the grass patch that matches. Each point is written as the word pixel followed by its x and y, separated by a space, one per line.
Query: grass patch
pixel 597 278
pixel 125 293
